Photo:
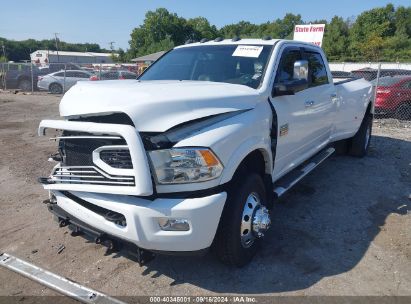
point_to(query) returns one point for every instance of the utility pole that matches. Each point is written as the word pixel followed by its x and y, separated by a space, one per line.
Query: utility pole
pixel 57 46
pixel 4 51
pixel 112 49
pixel 3 69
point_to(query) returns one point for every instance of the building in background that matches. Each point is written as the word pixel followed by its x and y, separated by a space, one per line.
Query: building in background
pixel 144 61
pixel 44 57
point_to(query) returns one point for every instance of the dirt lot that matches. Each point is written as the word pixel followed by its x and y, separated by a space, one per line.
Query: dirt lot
pixel 344 230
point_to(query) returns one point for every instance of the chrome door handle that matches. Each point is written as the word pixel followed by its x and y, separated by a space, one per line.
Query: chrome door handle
pixel 309 103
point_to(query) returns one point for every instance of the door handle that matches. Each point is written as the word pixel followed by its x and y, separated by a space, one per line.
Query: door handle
pixel 309 103
pixel 333 96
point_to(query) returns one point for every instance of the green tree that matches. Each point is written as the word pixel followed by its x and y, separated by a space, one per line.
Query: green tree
pixel 21 50
pixel 201 28
pixel 371 27
pixel 243 29
pixel 119 56
pixel 403 20
pixel 397 48
pixel 335 39
pixel 160 29
pixel 372 47
pixel 287 25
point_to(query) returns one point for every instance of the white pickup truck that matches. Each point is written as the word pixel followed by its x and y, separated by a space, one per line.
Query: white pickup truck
pixel 194 153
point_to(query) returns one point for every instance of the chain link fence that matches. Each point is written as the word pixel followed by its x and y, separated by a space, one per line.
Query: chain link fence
pixel 57 78
pixel 391 86
pixel 391 81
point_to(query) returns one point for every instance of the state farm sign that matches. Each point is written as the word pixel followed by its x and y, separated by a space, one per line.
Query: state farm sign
pixel 312 33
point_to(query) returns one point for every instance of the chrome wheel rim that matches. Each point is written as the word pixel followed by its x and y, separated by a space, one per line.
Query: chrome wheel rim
pixel 255 220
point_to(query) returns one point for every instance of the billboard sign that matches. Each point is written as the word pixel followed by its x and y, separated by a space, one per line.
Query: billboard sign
pixel 312 33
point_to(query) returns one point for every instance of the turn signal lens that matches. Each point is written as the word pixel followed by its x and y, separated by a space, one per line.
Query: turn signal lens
pixel 209 158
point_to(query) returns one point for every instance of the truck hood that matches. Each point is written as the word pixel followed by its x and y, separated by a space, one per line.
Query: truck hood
pixel 156 106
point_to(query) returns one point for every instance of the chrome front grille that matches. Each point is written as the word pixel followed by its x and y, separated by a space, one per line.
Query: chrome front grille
pixel 89 175
pixel 77 148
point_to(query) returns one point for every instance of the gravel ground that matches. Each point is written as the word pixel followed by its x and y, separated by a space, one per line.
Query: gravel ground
pixel 344 230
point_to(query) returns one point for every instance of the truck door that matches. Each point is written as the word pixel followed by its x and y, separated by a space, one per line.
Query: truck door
pixel 304 118
pixel 320 105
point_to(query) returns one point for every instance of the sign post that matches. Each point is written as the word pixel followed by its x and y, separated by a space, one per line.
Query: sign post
pixel 312 33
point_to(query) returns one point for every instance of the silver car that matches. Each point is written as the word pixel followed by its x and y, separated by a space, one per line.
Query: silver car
pixel 58 82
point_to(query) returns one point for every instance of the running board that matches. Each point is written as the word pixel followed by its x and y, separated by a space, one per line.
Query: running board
pixel 55 282
pixel 288 181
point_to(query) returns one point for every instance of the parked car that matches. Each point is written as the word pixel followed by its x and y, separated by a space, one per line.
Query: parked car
pixel 341 74
pixel 61 81
pixel 112 75
pixel 20 75
pixel 394 96
pixel 55 67
pixel 24 76
pixel 198 159
pixel 371 74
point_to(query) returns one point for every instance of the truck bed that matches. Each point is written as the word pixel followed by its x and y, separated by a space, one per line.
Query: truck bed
pixel 340 80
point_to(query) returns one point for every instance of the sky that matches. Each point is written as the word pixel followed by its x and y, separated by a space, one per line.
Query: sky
pixel 99 21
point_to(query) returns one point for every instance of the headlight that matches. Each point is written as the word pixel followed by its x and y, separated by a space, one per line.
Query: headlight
pixel 185 165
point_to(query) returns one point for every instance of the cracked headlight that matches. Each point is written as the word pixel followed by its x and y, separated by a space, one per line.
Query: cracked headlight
pixel 185 165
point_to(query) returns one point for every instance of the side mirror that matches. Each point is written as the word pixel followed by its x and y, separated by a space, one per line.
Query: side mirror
pixel 298 83
pixel 301 70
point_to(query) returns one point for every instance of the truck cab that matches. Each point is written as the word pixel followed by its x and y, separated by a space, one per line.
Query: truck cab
pixel 194 153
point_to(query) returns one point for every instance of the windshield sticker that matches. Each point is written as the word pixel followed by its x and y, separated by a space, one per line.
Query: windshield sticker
pixel 248 51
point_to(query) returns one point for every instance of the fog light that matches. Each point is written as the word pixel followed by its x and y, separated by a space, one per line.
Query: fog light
pixel 170 224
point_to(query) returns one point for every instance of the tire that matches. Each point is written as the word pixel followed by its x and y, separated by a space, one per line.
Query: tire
pixel 361 141
pixel 24 85
pixel 55 88
pixel 403 112
pixel 231 245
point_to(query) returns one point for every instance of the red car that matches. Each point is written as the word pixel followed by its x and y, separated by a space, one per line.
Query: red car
pixel 113 75
pixel 394 96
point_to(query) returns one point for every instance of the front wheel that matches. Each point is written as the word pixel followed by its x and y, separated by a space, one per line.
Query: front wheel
pixel 361 141
pixel 244 221
pixel 25 85
pixel 55 88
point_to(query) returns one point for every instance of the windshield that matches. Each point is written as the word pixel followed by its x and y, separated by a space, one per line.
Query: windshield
pixel 238 64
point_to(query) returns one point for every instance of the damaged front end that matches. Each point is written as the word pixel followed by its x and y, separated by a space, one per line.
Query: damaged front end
pixel 101 158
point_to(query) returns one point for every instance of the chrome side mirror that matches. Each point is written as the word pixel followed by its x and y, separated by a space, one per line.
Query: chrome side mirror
pixel 300 70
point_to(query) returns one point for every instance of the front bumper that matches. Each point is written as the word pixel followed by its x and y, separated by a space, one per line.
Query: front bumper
pixel 42 85
pixel 142 216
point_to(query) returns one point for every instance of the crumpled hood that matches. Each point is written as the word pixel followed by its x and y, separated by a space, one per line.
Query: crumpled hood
pixel 156 106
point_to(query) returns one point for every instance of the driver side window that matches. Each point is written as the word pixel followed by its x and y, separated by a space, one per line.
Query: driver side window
pixel 286 67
